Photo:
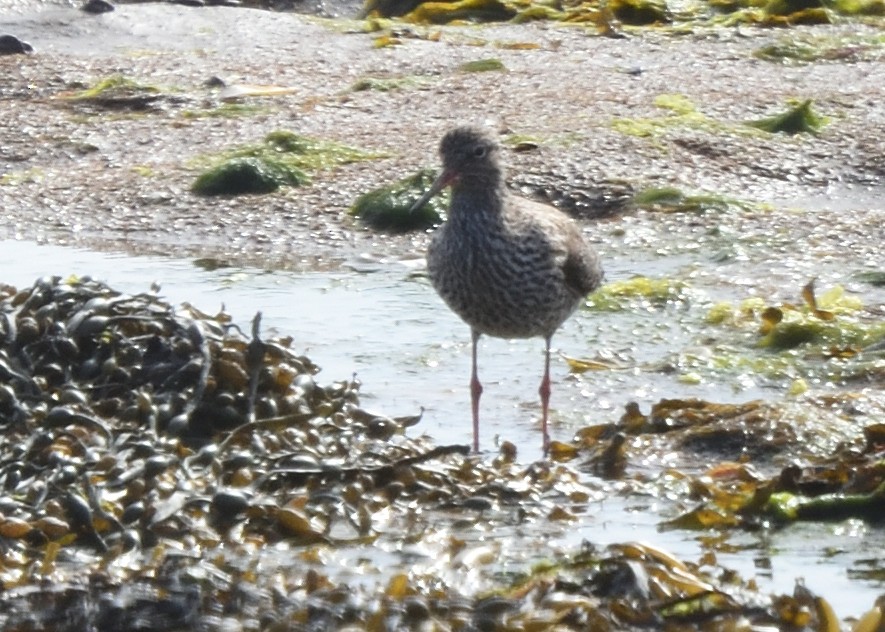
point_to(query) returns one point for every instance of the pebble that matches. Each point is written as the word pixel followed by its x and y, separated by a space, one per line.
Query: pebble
pixel 11 45
pixel 97 6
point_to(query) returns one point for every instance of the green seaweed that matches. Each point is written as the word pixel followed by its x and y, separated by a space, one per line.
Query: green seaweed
pixel 483 65
pixel 389 8
pixel 873 277
pixel 536 12
pixel 681 113
pixel 145 171
pixel 281 160
pixel 247 175
pixel 860 7
pixel 388 208
pixel 469 10
pixel 789 507
pixel 117 93
pixel 835 322
pixel 833 334
pixel 729 6
pixel 621 295
pixel 789 50
pixel 799 119
pixel 13 178
pixel 385 85
pixel 803 48
pixel 676 103
pixel 673 200
pixel 788 335
pixel 607 16
pixel 790 7
pixel 112 87
pixel 309 153
pixel 821 342
pixel 226 110
pixel 521 142
pixel 640 12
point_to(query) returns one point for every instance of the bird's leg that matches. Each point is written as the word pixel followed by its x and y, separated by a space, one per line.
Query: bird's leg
pixel 475 392
pixel 544 392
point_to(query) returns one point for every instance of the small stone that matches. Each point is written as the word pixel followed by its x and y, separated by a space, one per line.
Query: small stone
pixel 97 6
pixel 215 82
pixel 11 45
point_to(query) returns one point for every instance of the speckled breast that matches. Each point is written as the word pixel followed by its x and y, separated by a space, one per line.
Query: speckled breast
pixel 503 290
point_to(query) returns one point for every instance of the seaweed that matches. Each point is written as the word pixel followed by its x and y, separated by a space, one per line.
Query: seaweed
pixel 800 119
pixel 247 175
pixel 389 208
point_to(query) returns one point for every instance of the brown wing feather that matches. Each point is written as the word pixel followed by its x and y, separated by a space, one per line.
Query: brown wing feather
pixel 580 263
pixel 582 269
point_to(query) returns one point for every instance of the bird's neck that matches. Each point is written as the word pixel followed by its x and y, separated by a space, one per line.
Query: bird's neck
pixel 480 201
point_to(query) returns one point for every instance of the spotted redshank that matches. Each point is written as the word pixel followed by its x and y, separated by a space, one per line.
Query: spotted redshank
pixel 509 267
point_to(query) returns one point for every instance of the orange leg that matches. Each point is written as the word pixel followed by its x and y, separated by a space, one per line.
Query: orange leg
pixel 475 392
pixel 544 392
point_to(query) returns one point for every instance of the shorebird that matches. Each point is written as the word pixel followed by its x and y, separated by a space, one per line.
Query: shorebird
pixel 509 267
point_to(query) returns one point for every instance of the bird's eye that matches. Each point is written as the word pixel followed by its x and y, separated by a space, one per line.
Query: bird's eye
pixel 479 151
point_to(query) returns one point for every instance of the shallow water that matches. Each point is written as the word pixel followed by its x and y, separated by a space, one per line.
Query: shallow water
pixel 384 322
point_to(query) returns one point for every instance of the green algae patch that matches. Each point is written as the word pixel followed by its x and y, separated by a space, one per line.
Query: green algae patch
pixel 620 295
pixel 728 6
pixel 117 92
pixel 838 338
pixel 389 208
pixel 111 86
pixel 799 119
pixel 762 17
pixel 823 340
pixel 792 333
pixel 388 8
pixel 790 7
pixel 676 103
pixel 874 277
pixel 247 175
pixel 833 322
pixel 640 12
pixel 673 200
pixel 522 142
pixel 682 112
pixel 226 110
pixel 391 84
pixel 805 48
pixel 790 507
pixel 145 171
pixel 846 486
pixel 820 11
pixel 308 153
pixel 608 17
pixel 13 178
pixel 813 15
pixel 860 7
pixel 789 50
pixel 483 65
pixel 284 158
pixel 535 13
pixel 462 10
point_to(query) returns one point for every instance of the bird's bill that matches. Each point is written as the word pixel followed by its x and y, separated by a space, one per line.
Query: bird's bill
pixel 444 180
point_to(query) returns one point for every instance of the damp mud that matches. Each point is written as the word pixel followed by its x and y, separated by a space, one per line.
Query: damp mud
pixel 605 118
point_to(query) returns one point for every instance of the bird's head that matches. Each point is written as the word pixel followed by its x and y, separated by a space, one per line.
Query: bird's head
pixel 470 160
